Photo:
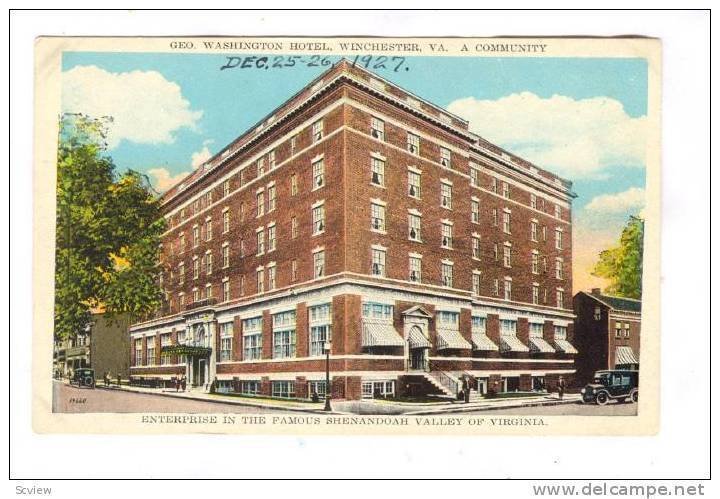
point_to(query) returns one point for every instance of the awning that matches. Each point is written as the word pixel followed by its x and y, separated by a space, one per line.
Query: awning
pixel 511 343
pixel 482 342
pixel 417 340
pixel 380 335
pixel 451 338
pixel 565 346
pixel 539 345
pixel 189 350
pixel 625 355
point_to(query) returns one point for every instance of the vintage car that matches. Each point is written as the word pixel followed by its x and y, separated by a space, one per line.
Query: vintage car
pixel 83 377
pixel 611 385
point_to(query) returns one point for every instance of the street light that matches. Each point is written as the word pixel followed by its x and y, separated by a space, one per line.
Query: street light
pixel 327 345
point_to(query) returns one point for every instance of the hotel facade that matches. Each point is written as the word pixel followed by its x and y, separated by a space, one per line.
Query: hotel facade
pixel 361 215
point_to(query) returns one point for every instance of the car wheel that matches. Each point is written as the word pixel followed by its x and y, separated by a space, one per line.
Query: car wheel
pixel 602 398
pixel 634 397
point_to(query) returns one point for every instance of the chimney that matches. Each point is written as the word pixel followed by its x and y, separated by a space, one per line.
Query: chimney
pixel 595 291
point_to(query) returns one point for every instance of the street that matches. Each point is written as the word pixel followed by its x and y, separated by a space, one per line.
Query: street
pixel 82 400
pixel 578 409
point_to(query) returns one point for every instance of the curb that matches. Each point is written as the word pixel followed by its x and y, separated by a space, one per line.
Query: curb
pixel 493 408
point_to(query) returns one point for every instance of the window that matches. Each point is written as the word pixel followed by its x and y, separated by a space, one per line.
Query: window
pixel 447 236
pixel 446 270
pixel 317 131
pixel 381 311
pixel 506 190
pixel 208 198
pixel 597 314
pixel 226 290
pixel 558 239
pixel 533 201
pixel 319 264
pixel 445 157
pixel 242 285
pixel 293 227
pixel 535 259
pixel 508 327
pixel 378 389
pixel 544 233
pixel 252 338
pixel 413 144
pixel 261 166
pixel 151 351
pixel 249 387
pixel 378 261
pixel 181 273
pixel 196 236
pixel 479 324
pixel 618 329
pixel 506 221
pixel 182 214
pixel 320 318
pixel 271 278
pixel 293 144
pixel 208 263
pixel 260 241
pixel 496 252
pixel 242 212
pixel 271 238
pixel 284 335
pixel 377 217
pixel 536 330
pixel 318 172
pixel 208 291
pixel 226 333
pixel 293 184
pixel 208 229
pixel 377 128
pixel 495 217
pixel 560 332
pixel 271 159
pixel 226 222
pixel 271 198
pixel 182 242
pixel 138 352
pixel 476 247
pixel 377 167
pixel 196 267
pixel 260 201
pixel 414 184
pixel 415 268
pixel 507 261
pixel 558 268
pixel 318 218
pixel 533 231
pixel 508 289
pixel 283 389
pixel 535 294
pixel 293 271
pixel 447 320
pixel 260 280
pixel 414 232
pixel 181 299
pixel 496 287
pixel 475 211
pixel 558 211
pixel 317 388
pixel 196 206
pixel 446 195
pixel 544 264
pixel 627 330
pixel 226 188
pixel 560 298
pixel 226 255
pixel 474 176
pixel 493 185
pixel 242 248
pixel 476 283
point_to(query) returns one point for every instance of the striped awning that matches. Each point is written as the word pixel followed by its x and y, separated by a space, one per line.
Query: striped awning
pixel 483 343
pixel 451 338
pixel 625 355
pixel 565 346
pixel 511 343
pixel 417 340
pixel 539 345
pixel 378 334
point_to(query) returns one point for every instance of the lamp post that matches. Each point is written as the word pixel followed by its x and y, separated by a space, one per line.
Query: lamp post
pixel 327 345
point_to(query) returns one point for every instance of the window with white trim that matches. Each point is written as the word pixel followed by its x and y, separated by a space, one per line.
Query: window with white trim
pixel 293 144
pixel 226 222
pixel 317 131
pixel 320 321
pixel 445 158
pixel 208 263
pixel 506 190
pixel 378 262
pixel 271 159
pixel 476 283
pixel 317 388
pixel 261 166
pixel 446 195
pixel 182 242
pixel 414 229
pixel 226 188
pixel 196 236
pixel 208 291
pixel 447 236
pixel 293 270
pixel 446 271
pixel 494 217
pixel 371 310
pixel 536 294
pixel 252 338
pixel 318 218
pixel 507 258
pixel 413 144
pixel 319 264
pixel 283 389
pixel 560 333
pixel 377 171
pixel 226 291
pixel 476 247
pixel 496 287
pixel 260 274
pixel 242 248
pixel 260 200
pixel 293 227
pixel 249 387
pixel 226 337
pixel 284 335
pixel 474 176
pixel 535 265
pixel 260 236
pixel 493 185
pixel 150 351
pixel 533 231
pixel 533 201
pixel 208 229
pixel 271 201
pixel 138 352
pixel 181 273
pixel 447 319
pixel 377 128
pixel 271 238
pixel 271 271
pixel 496 251
pixel 506 222
pixel 414 184
pixel 318 173
pixel 475 211
pixel 226 256
pixel 415 269
pixel 536 330
pixel 242 285
pixel 558 211
pixel 293 184
pixel 196 267
pixel 558 239
pixel 508 290
pixel 560 298
pixel 559 268
pixel 508 327
pixel 377 217
pixel 479 324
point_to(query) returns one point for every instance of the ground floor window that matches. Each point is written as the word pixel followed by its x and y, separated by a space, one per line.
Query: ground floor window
pixel 283 389
pixel 225 386
pixel 317 387
pixel 538 383
pixel 250 387
pixel 512 384
pixel 378 389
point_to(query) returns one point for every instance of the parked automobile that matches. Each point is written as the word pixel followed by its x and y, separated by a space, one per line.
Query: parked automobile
pixel 83 377
pixel 611 385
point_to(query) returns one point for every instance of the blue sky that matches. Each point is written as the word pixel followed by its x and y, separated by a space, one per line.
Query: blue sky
pixel 578 117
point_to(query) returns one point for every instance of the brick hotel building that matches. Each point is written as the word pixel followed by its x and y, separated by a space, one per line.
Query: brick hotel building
pixel 360 214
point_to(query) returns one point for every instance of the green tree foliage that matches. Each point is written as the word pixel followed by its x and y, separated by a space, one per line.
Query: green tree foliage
pixel 108 231
pixel 622 265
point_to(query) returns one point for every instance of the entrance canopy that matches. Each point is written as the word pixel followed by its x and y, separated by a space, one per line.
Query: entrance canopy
pixel 188 350
pixel 416 339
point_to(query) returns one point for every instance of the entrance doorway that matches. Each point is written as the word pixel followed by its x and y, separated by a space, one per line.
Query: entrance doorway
pixel 418 359
pixel 198 378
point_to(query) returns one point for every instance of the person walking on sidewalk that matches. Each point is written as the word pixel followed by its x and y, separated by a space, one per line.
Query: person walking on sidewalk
pixel 561 387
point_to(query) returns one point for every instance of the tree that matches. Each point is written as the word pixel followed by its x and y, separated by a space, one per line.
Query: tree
pixel 108 231
pixel 622 265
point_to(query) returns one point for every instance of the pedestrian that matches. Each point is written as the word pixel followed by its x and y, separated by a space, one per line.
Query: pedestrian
pixel 106 379
pixel 177 383
pixel 561 387
pixel 466 389
pixel 118 380
pixel 184 383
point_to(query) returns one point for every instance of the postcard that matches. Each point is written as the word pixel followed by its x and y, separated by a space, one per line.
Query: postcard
pixel 454 236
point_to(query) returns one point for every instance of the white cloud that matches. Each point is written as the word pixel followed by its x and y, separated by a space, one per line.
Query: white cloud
pixel 621 202
pixel 199 157
pixel 146 108
pixel 575 138
pixel 162 180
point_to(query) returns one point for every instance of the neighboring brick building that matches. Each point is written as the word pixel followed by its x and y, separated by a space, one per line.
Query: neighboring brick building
pixel 359 211
pixel 607 333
